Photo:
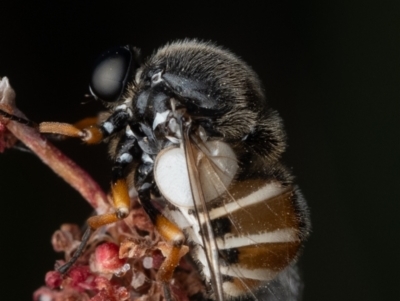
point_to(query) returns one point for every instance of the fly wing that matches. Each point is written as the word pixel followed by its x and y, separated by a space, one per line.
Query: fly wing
pixel 207 234
pixel 246 217
pixel 252 219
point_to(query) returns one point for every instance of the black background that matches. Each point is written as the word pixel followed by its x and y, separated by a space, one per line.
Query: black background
pixel 330 69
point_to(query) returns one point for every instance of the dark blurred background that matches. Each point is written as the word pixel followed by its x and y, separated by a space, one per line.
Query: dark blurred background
pixel 330 69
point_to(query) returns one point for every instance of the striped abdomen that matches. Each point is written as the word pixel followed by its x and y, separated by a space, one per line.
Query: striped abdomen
pixel 258 226
pixel 258 229
pixel 258 223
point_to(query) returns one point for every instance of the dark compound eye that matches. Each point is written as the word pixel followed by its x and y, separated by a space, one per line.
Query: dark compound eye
pixel 111 74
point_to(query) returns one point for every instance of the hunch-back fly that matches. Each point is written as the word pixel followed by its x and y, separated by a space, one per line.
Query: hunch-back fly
pixel 190 130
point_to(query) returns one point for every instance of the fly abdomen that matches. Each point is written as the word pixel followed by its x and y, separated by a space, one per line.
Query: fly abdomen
pixel 258 231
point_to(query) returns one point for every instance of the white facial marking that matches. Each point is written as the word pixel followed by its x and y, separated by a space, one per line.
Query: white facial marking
pixel 108 126
pixel 129 112
pixel 156 78
pixel 128 132
pixel 146 158
pixel 125 158
pixel 173 139
pixel 160 118
pixel 138 74
pixel 121 108
pixel 173 104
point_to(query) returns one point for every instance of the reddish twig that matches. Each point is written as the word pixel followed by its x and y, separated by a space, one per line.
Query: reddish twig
pixel 48 153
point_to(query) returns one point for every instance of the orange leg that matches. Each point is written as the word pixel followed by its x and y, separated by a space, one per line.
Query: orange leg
pixel 89 129
pixel 171 233
pixel 122 205
pixel 174 236
pixel 90 135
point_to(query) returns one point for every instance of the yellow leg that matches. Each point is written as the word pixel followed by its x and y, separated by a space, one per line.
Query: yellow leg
pixel 89 135
pixel 174 236
pixel 121 200
pixel 122 205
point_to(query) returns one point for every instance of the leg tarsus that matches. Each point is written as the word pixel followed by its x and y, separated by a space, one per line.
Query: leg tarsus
pixel 85 238
pixel 97 221
pixel 167 292
pixel 171 233
pixel 18 119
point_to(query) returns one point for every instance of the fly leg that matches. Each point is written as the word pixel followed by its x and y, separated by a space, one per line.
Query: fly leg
pixel 87 129
pixel 18 119
pixel 128 152
pixel 169 232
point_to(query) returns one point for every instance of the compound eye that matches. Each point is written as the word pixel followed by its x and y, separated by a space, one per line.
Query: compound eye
pixel 111 74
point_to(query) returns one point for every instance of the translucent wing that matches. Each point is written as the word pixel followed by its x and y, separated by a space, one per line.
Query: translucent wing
pixel 202 193
pixel 244 215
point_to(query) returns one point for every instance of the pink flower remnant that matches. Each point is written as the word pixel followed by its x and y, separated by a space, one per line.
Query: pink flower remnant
pixel 119 263
pixel 7 139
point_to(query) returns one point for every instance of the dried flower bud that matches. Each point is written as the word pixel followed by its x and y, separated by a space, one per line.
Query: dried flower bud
pixel 135 248
pixel 106 259
pixel 7 139
pixel 80 278
pixel 158 259
pixel 53 279
pixel 138 280
pixel 64 240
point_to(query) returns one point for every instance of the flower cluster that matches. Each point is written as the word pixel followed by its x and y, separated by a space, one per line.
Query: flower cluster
pixel 120 263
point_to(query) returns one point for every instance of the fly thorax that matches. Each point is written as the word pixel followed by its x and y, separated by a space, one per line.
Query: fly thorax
pixel 158 130
pixel 168 124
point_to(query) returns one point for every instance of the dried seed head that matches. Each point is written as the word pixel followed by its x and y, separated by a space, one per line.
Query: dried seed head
pixel 106 259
